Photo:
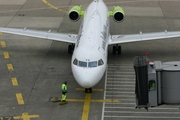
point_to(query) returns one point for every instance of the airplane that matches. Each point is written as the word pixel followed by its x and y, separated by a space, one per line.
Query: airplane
pixel 89 47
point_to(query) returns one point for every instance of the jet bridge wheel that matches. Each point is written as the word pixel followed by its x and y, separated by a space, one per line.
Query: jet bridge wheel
pixel 70 48
pixel 117 49
pixel 88 90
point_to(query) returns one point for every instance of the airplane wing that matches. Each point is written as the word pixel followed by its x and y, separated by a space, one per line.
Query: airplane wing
pixel 70 38
pixel 117 39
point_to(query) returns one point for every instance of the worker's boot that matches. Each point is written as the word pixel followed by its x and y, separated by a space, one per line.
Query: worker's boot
pixel 63 102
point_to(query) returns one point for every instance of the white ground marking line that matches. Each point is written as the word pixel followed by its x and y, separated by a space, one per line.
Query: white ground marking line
pixel 102 116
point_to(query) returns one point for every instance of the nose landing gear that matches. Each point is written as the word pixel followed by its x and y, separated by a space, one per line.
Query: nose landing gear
pixel 88 90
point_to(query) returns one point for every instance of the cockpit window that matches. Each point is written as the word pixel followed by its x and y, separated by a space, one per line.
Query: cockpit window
pixel 88 64
pixel 75 62
pixel 92 64
pixel 82 64
pixel 100 62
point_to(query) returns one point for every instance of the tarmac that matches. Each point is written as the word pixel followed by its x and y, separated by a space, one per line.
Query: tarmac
pixel 32 70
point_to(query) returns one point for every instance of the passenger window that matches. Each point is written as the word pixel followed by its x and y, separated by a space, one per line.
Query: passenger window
pixel 92 64
pixel 100 62
pixel 82 64
pixel 75 62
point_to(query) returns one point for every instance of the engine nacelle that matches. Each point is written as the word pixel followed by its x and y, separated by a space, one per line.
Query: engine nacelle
pixel 117 13
pixel 75 13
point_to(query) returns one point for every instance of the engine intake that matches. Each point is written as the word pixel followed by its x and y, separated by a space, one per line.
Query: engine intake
pixel 118 17
pixel 75 13
pixel 117 13
pixel 74 16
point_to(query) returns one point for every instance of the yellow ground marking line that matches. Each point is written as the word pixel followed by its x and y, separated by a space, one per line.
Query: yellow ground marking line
pixel 86 107
pixel 10 67
pixel 19 98
pixel 6 55
pixel 3 44
pixel 93 89
pixel 75 100
pixel 26 116
pixel 52 6
pixel 0 33
pixel 14 81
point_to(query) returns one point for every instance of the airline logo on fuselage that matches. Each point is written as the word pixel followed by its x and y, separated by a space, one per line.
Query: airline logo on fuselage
pixel 104 35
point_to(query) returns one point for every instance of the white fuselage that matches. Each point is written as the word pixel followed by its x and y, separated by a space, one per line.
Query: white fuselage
pixel 89 59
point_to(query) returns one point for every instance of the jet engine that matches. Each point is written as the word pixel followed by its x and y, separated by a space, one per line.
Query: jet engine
pixel 75 13
pixel 117 13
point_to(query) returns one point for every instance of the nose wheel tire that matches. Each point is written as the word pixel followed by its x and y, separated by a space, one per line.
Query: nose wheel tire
pixel 88 90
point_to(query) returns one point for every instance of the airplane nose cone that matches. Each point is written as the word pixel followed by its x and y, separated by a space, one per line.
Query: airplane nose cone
pixel 86 84
pixel 86 77
pixel 85 81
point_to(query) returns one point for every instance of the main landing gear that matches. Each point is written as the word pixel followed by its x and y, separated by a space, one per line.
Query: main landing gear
pixel 71 48
pixel 88 90
pixel 117 49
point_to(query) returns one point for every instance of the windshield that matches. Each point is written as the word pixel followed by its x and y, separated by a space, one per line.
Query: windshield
pixel 92 64
pixel 88 64
pixel 82 64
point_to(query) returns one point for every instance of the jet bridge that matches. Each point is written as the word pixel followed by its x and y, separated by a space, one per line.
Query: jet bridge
pixel 157 83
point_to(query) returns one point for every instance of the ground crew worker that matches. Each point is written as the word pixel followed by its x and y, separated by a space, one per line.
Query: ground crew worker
pixel 64 91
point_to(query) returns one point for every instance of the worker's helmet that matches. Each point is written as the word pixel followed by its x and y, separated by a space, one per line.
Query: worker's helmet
pixel 65 82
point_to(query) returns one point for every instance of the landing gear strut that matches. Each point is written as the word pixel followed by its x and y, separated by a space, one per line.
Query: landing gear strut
pixel 88 90
pixel 71 48
pixel 117 49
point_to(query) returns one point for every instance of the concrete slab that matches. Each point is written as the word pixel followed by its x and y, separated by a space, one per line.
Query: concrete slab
pixel 146 11
pixel 12 2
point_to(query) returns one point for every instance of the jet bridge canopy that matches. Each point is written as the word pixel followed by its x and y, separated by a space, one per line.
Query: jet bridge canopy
pixel 156 82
